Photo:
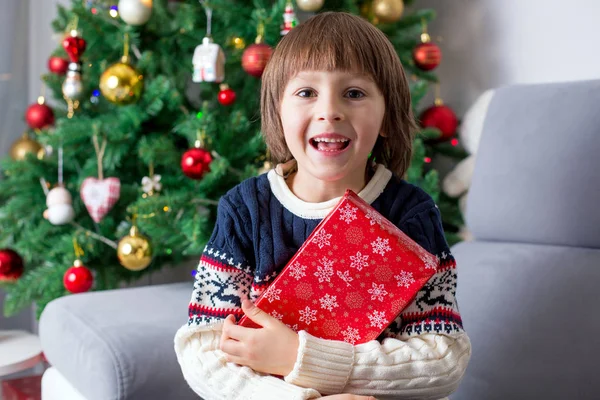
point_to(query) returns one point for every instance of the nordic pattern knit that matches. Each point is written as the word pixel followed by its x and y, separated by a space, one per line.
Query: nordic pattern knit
pixel 260 226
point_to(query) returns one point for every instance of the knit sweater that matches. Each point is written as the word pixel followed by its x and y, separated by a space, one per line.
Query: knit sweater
pixel 260 225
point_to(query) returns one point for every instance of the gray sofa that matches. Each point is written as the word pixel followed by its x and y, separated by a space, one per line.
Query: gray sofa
pixel 527 284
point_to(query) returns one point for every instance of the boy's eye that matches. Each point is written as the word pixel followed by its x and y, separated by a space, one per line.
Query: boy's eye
pixel 306 93
pixel 355 94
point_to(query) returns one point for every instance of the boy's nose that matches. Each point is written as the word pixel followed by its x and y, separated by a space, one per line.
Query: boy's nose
pixel 330 111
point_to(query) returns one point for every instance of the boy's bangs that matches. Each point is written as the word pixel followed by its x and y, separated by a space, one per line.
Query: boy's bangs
pixel 329 53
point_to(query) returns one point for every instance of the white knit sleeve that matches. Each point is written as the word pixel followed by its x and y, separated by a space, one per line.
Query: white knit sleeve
pixel 213 378
pixel 427 366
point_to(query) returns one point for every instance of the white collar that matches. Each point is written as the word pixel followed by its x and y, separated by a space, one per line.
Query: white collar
pixel 308 210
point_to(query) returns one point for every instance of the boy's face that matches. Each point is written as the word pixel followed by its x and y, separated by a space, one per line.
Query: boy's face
pixel 331 121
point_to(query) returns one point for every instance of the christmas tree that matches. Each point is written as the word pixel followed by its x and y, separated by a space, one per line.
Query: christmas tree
pixel 156 116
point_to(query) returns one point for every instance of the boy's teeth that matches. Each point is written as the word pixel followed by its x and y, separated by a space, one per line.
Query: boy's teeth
pixel 328 140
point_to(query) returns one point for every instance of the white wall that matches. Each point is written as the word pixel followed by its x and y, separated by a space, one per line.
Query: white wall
pixel 490 43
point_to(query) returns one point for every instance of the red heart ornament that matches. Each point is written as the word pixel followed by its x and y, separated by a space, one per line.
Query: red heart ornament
pixel 74 46
pixel 100 195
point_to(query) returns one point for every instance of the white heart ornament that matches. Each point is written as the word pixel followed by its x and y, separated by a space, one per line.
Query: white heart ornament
pixel 100 195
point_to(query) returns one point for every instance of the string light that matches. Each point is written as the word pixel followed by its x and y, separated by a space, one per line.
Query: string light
pixel 427 160
pixel 114 11
pixel 454 142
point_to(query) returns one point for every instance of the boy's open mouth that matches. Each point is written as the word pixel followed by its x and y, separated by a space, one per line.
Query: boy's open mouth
pixel 329 144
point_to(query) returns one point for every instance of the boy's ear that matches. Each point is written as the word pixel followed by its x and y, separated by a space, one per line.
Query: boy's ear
pixel 382 134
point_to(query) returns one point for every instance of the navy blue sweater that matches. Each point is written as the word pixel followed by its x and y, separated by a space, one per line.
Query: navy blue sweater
pixel 255 236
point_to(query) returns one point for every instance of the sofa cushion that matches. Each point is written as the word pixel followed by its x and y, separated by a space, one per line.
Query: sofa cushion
pixel 531 313
pixel 536 176
pixel 118 344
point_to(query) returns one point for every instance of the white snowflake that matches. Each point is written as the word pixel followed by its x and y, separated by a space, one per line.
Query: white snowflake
pixel 348 213
pixel 359 261
pixel 345 277
pixel 276 315
pixel 294 327
pixel 324 273
pixel 297 270
pixel 322 238
pixel 377 292
pixel 377 319
pixel 405 278
pixel 329 302
pixel 431 263
pixel 307 315
pixel 351 335
pixel 272 294
pixel 374 216
pixel 380 246
pixel 326 262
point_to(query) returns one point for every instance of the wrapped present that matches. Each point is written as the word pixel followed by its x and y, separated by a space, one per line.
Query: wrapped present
pixel 26 388
pixel 351 278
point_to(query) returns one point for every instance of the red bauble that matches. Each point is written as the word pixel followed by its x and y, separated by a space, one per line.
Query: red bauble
pixel 78 278
pixel 196 162
pixel 226 96
pixel 427 56
pixel 11 265
pixel 58 65
pixel 442 118
pixel 39 116
pixel 255 58
pixel 74 46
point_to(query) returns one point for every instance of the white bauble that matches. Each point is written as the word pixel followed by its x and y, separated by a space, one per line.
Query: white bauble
pixel 58 195
pixel 135 12
pixel 60 214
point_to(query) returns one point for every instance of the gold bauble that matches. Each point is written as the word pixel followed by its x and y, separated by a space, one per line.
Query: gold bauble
pixel 388 11
pixel 23 146
pixel 238 43
pixel 310 5
pixel 134 251
pixel 121 83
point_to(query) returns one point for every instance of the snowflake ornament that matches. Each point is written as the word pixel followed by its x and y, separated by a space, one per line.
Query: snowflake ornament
pixel 151 184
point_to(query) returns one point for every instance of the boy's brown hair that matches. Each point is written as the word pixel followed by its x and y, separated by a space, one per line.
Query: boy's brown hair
pixel 340 41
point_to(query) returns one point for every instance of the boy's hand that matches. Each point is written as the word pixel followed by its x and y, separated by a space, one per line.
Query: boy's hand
pixel 271 349
pixel 347 396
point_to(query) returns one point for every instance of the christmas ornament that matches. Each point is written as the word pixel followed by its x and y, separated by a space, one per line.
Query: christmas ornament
pixel 196 162
pixel 74 45
pixel 99 195
pixel 135 12
pixel 134 251
pixel 60 206
pixel 255 58
pixel 151 184
pixel 209 62
pixel 121 83
pixel 11 265
pixel 72 87
pixel 441 117
pixel 427 55
pixel 23 146
pixel 58 65
pixel 238 43
pixel 226 95
pixel 209 58
pixel 289 18
pixel 388 11
pixel 78 278
pixel 39 115
pixel 310 5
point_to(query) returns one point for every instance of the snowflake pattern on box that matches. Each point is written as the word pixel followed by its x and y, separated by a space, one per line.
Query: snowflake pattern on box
pixel 297 271
pixel 328 302
pixel 340 288
pixel 322 239
pixel 348 213
pixel 405 279
pixel 359 261
pixel 307 315
pixel 381 246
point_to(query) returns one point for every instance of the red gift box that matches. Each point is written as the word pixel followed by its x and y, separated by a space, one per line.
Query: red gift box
pixel 27 388
pixel 351 278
